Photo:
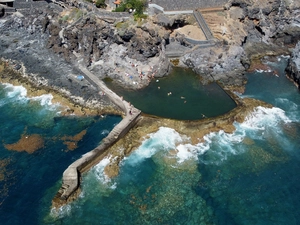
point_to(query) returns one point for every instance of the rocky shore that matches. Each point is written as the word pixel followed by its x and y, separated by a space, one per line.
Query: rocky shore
pixel 45 48
pixel 293 68
pixel 52 41
pixel 246 31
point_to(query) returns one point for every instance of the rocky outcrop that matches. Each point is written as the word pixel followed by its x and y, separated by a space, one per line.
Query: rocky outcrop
pixel 248 30
pixel 293 68
pixel 218 63
pixel 120 48
pixel 94 38
pixel 99 40
pixel 267 23
pixel 24 41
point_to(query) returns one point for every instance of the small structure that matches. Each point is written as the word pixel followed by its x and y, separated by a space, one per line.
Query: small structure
pixel 80 77
pixel 117 3
pixel 9 3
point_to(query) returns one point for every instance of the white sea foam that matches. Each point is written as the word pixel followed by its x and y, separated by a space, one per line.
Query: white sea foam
pixel 259 70
pixel 45 100
pixel 291 107
pixel 19 93
pixel 15 91
pixel 164 139
pixel 221 143
pixel 265 117
pixel 284 56
pixel 61 211
pixel 105 132
pixel 98 171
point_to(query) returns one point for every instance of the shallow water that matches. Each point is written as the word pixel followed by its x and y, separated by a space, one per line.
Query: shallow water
pixel 180 96
pixel 248 177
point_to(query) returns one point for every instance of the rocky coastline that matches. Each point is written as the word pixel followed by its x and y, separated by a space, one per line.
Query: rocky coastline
pixel 44 49
pixel 52 41
pixel 293 68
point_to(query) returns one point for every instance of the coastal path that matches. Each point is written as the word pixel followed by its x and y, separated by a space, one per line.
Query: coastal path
pixel 71 176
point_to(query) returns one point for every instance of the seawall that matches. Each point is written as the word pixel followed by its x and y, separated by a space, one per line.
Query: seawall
pixel 70 187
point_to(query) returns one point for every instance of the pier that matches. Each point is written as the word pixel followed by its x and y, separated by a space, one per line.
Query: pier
pixel 71 176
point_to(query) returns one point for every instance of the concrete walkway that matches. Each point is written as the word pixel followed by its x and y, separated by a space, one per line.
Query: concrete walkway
pixel 71 176
pixel 179 5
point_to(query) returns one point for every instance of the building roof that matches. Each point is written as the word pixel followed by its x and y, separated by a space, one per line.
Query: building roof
pixel 117 2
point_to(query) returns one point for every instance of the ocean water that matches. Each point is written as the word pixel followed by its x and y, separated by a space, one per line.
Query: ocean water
pixel 25 178
pixel 248 177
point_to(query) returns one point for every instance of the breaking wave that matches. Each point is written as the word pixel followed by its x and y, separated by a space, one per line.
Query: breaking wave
pixel 19 94
pixel 256 126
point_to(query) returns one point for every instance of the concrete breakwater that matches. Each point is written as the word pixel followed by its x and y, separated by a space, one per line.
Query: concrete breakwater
pixel 71 176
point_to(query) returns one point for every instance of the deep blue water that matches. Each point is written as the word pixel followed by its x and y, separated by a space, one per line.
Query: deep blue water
pixel 248 177
pixel 27 177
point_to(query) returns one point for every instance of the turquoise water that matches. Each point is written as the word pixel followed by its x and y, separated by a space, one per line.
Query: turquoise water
pixel 180 96
pixel 248 177
pixel 25 178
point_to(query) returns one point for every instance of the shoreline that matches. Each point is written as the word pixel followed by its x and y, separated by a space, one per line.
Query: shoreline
pixel 140 127
pixel 66 100
pixel 225 61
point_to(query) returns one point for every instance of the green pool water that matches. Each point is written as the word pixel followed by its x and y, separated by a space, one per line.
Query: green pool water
pixel 180 96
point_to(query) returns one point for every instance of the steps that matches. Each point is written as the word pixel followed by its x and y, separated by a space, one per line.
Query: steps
pixel 203 25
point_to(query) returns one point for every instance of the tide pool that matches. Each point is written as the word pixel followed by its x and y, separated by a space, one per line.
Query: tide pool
pixel 180 95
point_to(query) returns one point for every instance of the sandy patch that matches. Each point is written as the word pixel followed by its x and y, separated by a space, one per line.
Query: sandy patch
pixel 192 31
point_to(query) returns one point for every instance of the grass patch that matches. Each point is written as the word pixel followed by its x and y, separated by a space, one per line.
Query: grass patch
pixel 122 25
pixel 65 18
pixel 107 80
pixel 175 62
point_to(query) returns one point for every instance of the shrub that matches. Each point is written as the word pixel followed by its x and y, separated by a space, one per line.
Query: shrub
pixel 101 4
pixel 137 5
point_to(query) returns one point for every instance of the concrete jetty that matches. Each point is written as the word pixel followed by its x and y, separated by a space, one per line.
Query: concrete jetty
pixel 71 176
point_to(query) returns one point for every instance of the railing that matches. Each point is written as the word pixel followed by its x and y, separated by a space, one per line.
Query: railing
pixel 207 32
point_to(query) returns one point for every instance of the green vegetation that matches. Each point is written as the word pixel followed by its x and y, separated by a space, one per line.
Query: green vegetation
pixel 76 14
pixel 72 16
pixel 122 25
pixel 98 3
pixel 65 18
pixel 107 79
pixel 101 4
pixel 137 6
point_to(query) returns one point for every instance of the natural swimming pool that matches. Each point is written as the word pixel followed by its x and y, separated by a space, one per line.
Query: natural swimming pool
pixel 180 95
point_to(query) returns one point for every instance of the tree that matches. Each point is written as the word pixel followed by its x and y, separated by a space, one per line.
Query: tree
pixel 137 5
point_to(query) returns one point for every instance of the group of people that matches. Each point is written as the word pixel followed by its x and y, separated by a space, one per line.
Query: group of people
pixel 141 74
